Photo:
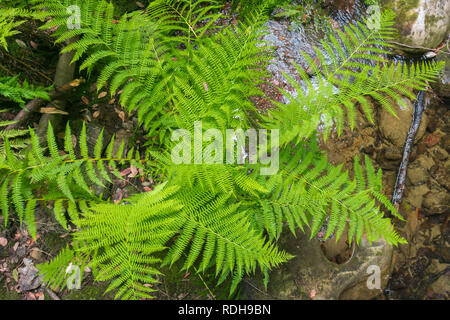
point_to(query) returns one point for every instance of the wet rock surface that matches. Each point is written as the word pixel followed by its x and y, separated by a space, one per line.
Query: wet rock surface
pixel 422 23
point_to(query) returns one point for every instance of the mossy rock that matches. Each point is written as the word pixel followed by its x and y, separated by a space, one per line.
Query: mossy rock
pixel 421 23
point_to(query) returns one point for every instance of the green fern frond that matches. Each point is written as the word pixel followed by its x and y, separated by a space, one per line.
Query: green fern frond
pixel 129 238
pixel 67 178
pixel 8 23
pixel 314 193
pixel 352 73
pixel 11 89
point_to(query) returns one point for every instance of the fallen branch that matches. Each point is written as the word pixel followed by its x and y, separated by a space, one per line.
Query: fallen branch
pixel 52 295
pixel 401 176
pixel 34 105
pixel 63 84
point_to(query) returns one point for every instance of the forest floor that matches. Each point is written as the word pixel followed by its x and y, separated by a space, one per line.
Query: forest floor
pixel 420 270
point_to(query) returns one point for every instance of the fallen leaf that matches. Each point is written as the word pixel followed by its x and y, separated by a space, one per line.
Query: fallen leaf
pixel 21 44
pixel 33 44
pixel 121 114
pixel 40 295
pixel 125 172
pixel 133 173
pixel 16 245
pixel 96 114
pixel 85 100
pixel 3 242
pixel 431 140
pixel 51 110
pixel 15 275
pixel 102 94
pixel 75 83
pixel 112 101
pixel 140 4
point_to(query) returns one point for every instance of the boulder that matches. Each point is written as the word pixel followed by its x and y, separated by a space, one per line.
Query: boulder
pixel 395 129
pixel 310 275
pixel 421 23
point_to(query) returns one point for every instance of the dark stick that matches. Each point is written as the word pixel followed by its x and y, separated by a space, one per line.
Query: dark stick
pixel 24 114
pixel 415 124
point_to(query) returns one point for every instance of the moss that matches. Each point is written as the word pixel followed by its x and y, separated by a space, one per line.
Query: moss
pixel 92 291
pixel 54 243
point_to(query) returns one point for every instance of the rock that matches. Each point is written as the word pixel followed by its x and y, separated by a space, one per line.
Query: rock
pixel 417 175
pixel 436 202
pixel 395 129
pixel 421 23
pixel 439 153
pixel 28 276
pixel 425 161
pixel 442 85
pixel 414 195
pixel 390 157
pixel 316 277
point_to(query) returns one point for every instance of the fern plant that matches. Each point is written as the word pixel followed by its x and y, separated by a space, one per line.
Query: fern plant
pixel 68 177
pixel 220 217
pixel 9 24
pixel 13 90
pixel 351 73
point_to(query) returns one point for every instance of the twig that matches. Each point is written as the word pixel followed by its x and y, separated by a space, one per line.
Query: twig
pixel 23 115
pixel 415 124
pixel 29 67
pixel 6 70
pixel 420 47
pixel 52 294
pixel 33 105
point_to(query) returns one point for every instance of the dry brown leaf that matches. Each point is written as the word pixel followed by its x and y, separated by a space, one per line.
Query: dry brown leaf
pixel 134 172
pixel 33 44
pixel 75 83
pixel 121 114
pixel 51 110
pixel 112 101
pixel 96 114
pixel 102 94
pixel 140 4
pixel 3 242
pixel 85 100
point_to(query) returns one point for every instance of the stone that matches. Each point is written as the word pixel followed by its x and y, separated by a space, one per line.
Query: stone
pixel 436 202
pixel 417 175
pixel 310 275
pixel 439 153
pixel 29 278
pixel 414 195
pixel 395 129
pixel 421 23
pixel 425 161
